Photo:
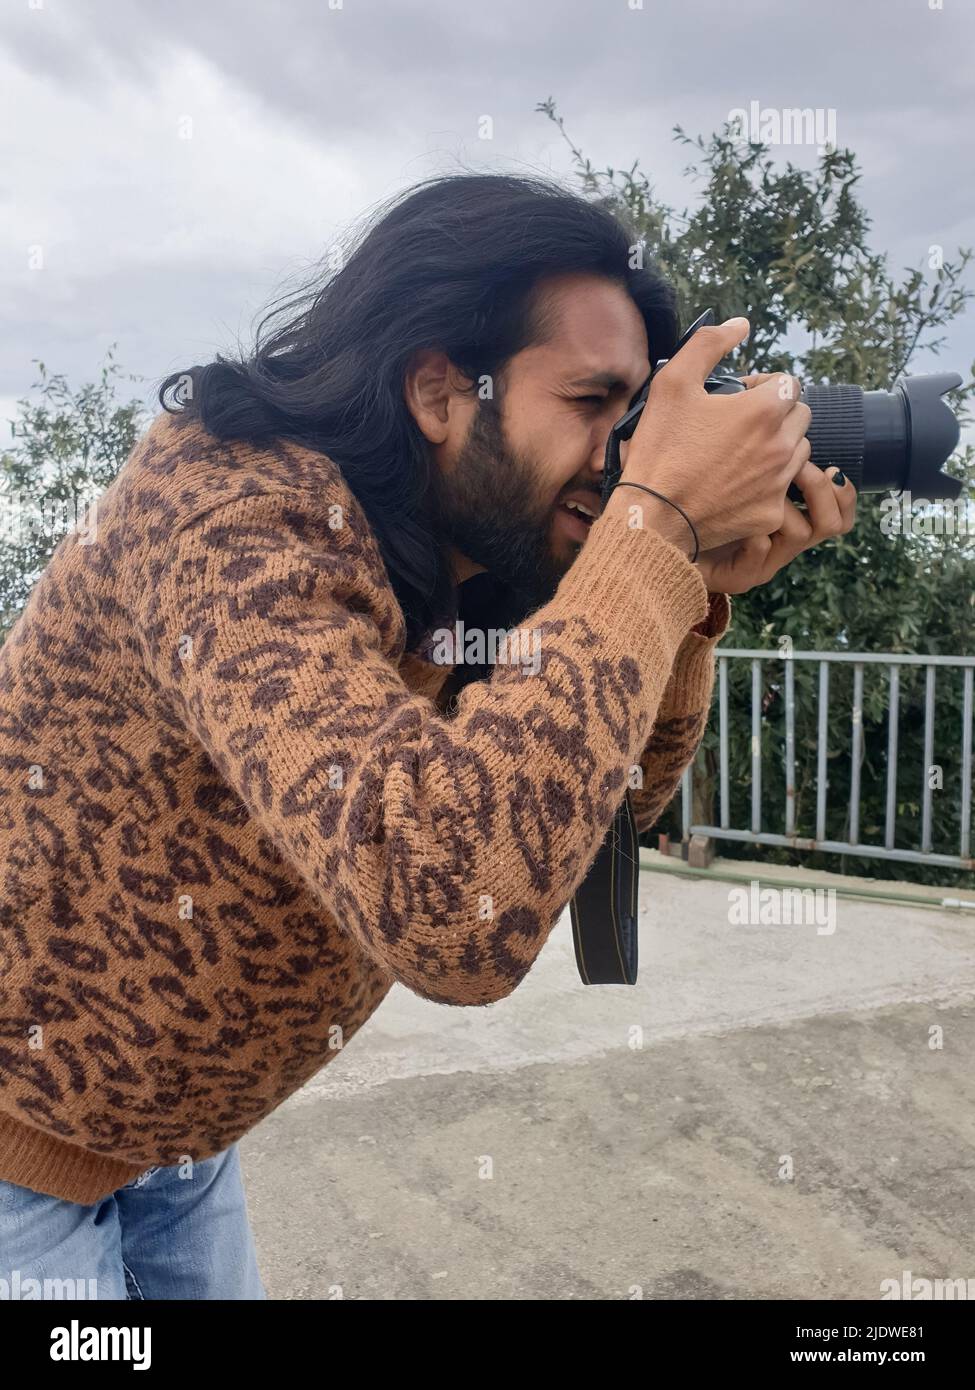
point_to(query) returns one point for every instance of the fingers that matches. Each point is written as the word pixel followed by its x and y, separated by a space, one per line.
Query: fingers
pixel 737 566
pixel 829 509
pixel 705 349
pixel 793 536
pixel 799 456
pixel 795 426
pixel 847 497
pixel 752 554
pixel 754 379
pixel 778 390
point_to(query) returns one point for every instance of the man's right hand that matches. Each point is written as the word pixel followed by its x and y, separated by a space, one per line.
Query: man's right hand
pixel 727 460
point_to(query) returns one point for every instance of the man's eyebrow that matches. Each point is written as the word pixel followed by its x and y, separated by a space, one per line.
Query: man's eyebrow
pixel 607 379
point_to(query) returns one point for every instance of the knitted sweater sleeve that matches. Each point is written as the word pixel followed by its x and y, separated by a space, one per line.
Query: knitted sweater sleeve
pixel 681 716
pixel 448 847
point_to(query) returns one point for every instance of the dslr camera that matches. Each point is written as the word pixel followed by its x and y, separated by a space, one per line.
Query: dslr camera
pixel 883 440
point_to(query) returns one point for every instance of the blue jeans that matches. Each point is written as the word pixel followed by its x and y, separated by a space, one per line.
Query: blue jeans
pixel 162 1235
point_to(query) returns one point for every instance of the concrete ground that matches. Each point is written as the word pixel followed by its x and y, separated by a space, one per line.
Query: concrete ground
pixel 766 1114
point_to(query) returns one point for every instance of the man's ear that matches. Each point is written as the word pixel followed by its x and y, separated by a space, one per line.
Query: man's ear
pixel 436 394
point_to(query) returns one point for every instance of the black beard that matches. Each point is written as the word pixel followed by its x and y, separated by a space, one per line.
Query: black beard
pixel 488 507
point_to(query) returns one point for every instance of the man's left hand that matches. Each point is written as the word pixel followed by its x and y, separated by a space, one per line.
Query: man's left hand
pixel 830 511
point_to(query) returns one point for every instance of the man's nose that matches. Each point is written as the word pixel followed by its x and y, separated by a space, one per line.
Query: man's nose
pixel 597 462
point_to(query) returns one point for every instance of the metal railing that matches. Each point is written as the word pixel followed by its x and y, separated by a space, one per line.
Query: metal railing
pixel 790 839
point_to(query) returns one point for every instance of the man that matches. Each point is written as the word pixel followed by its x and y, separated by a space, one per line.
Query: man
pixel 241 795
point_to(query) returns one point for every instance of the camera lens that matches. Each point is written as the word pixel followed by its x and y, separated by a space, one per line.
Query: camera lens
pixel 887 440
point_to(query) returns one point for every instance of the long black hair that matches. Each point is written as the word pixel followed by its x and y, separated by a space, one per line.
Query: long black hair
pixel 449 264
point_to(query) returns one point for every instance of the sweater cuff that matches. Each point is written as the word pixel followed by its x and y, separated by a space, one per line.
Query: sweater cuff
pixel 716 621
pixel 692 677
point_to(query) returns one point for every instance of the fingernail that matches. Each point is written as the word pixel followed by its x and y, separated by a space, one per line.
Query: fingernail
pixel 839 477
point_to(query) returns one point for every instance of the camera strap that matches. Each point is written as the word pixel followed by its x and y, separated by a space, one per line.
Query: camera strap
pixel 604 907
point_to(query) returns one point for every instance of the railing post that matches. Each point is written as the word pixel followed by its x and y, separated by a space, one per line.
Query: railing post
pixel 856 751
pixel 928 760
pixel 890 826
pixel 790 746
pixel 723 738
pixel 821 747
pixel 965 848
pixel 756 747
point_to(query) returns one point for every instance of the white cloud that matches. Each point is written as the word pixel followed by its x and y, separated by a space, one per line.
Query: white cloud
pixel 303 117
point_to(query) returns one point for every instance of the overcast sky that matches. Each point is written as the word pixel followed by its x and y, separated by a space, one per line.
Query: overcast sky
pixel 301 116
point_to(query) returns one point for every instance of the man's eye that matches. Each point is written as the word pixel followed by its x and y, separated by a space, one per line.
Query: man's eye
pixel 598 399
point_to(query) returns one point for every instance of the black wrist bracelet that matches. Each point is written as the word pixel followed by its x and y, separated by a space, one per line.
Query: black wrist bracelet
pixel 653 493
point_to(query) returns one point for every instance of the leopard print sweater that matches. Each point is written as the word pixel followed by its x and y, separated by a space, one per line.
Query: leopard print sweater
pixel 233 814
